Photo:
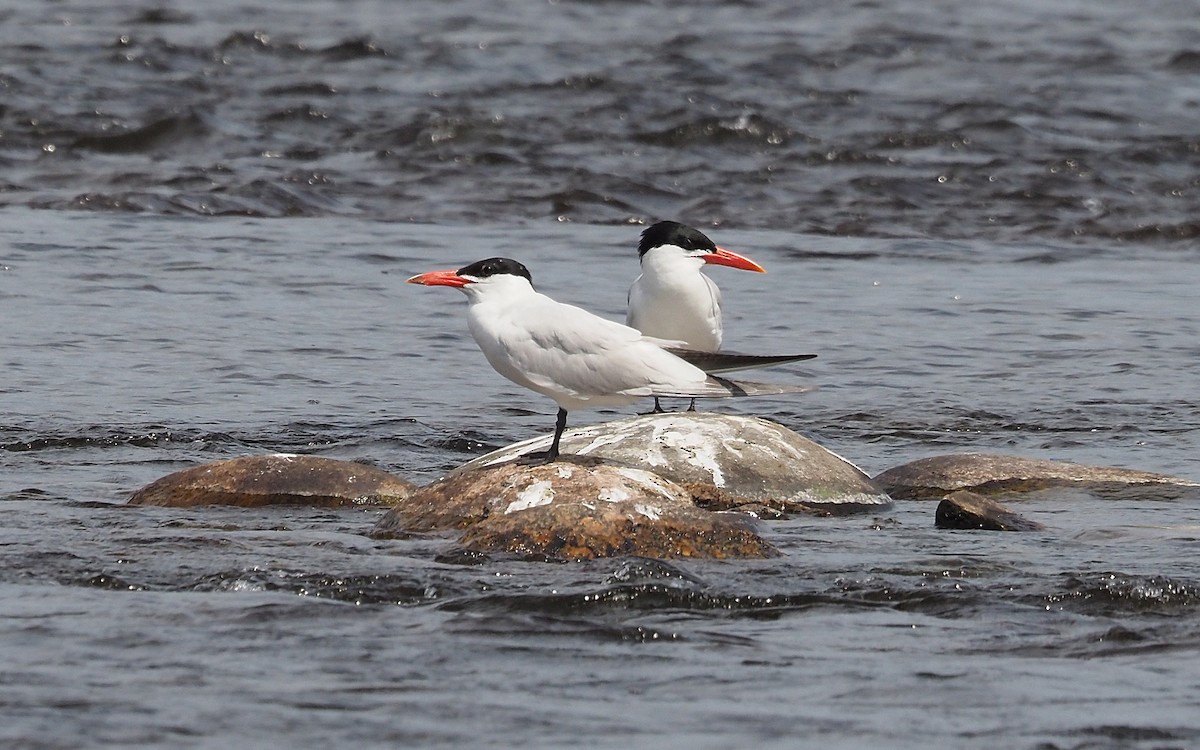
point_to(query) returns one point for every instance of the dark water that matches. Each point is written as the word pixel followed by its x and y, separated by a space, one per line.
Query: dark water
pixel 1005 120
pixel 982 218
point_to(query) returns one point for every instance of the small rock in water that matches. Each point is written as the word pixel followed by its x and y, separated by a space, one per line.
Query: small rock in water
pixel 969 510
pixel 743 461
pixel 573 509
pixel 277 479
pixel 931 478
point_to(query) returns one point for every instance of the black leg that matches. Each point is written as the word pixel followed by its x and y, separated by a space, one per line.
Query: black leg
pixel 692 406
pixel 656 410
pixel 560 424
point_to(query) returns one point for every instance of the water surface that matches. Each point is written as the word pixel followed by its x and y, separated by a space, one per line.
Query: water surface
pixel 981 218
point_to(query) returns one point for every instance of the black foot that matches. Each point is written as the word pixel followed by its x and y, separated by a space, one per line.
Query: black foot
pixel 656 410
pixel 537 458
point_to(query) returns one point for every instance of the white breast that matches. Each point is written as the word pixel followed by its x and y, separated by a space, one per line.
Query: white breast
pixel 672 299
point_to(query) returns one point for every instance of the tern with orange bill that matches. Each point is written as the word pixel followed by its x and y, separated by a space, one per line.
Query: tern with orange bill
pixel 578 359
pixel 673 300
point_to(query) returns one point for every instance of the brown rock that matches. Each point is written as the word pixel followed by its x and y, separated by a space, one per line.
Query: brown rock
pixel 573 509
pixel 743 460
pixel 969 510
pixel 931 478
pixel 279 479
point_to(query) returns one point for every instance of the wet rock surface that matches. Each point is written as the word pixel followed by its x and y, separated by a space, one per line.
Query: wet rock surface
pixel 277 479
pixel 726 461
pixel 573 509
pixel 963 509
pixel 931 478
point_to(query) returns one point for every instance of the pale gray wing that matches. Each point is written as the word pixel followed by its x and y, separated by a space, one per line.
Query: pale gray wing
pixel 573 351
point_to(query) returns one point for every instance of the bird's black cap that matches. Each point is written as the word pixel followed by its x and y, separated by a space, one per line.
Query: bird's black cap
pixel 674 233
pixel 481 269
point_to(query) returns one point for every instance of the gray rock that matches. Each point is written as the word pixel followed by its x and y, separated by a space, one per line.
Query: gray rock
pixel 931 478
pixel 969 510
pixel 725 461
pixel 572 509
pixel 277 479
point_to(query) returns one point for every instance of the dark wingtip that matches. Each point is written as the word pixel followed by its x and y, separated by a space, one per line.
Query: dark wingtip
pixel 712 362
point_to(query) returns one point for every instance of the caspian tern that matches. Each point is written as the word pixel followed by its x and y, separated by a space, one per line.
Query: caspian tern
pixel 564 352
pixel 673 300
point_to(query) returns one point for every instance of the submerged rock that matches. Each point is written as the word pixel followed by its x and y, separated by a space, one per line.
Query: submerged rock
pixel 726 461
pixel 931 478
pixel 969 510
pixel 278 479
pixel 573 509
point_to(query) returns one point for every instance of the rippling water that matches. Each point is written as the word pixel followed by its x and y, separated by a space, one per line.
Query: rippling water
pixel 1001 120
pixel 982 219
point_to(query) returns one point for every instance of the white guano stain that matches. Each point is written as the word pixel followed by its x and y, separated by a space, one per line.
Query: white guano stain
pixel 600 442
pixel 647 511
pixel 614 495
pixel 540 492
pixel 698 448
pixel 651 482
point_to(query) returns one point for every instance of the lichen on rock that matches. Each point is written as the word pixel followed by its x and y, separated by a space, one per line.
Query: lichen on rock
pixel 573 509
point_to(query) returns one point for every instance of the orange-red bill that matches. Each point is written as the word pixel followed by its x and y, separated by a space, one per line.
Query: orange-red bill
pixel 439 278
pixel 723 257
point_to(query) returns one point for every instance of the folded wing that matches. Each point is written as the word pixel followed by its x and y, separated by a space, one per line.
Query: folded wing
pixel 716 362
